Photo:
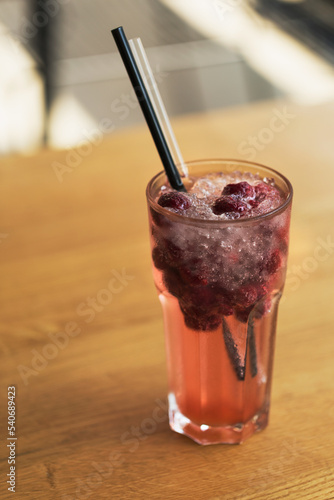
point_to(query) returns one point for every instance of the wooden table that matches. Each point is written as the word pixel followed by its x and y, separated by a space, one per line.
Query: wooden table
pixel 88 364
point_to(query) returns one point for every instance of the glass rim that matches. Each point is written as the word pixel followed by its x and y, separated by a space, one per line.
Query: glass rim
pixel 225 222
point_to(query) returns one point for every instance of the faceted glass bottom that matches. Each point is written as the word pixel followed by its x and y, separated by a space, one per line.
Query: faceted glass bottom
pixel 208 434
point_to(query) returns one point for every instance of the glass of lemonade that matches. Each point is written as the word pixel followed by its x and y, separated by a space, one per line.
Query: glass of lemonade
pixel 219 255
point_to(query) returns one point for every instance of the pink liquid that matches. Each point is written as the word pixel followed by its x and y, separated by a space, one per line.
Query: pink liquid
pixel 202 379
pixel 219 288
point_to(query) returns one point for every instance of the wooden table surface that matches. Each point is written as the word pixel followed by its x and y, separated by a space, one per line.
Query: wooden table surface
pixel 88 363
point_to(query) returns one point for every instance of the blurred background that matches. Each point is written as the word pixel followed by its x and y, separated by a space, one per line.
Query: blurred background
pixel 62 78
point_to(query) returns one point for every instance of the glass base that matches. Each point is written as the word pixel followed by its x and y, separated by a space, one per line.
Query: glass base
pixel 206 434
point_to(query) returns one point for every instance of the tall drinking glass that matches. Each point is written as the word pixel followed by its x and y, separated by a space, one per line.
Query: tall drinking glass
pixel 219 284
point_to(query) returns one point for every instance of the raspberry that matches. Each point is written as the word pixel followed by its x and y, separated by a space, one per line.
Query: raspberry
pixel 283 235
pixel 173 282
pixel 242 314
pixel 240 190
pixel 274 262
pixel 229 205
pixel 200 321
pixel 159 259
pixel 261 191
pixel 175 200
pixel 195 272
pixel 202 324
pixel 225 309
pixel 159 219
pixel 173 252
pixel 202 298
pixel 247 295
pixel 225 298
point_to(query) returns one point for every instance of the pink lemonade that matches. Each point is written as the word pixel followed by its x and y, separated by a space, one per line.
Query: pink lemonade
pixel 219 255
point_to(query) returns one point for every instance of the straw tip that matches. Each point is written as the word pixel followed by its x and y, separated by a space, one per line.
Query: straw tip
pixel 117 30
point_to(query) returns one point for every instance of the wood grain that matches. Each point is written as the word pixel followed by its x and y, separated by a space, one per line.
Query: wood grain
pixel 91 420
